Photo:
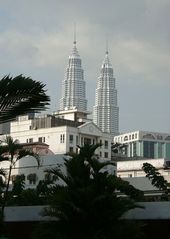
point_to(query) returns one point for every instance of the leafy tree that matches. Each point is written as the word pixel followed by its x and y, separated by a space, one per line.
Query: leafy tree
pixel 156 178
pixel 18 185
pixel 12 152
pixel 2 177
pixel 85 204
pixel 2 186
pixel 29 197
pixel 118 147
pixel 21 95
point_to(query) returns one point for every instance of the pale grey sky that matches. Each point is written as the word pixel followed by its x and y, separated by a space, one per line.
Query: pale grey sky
pixel 36 39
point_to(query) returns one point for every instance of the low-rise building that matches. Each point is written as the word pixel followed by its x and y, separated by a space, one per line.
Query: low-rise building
pixel 61 134
pixel 145 144
pixel 130 170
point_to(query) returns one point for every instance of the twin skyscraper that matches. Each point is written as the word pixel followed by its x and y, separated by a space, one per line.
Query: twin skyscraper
pixel 105 110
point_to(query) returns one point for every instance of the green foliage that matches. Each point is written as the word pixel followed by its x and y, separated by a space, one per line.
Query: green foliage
pixel 118 147
pixel 156 178
pixel 11 151
pixel 2 177
pixel 28 197
pixel 86 204
pixel 44 189
pixel 18 185
pixel 21 95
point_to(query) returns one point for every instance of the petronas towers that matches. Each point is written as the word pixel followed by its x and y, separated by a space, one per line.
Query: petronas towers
pixel 73 87
pixel 106 110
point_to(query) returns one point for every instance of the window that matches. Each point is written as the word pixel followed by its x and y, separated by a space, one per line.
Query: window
pixel 62 138
pixel 148 149
pixel 167 164
pixel 77 140
pixel 148 136
pixel 50 178
pixel 30 140
pixel 71 149
pixel 126 138
pixel 41 139
pixel 167 138
pixel 134 149
pixel 12 178
pixel 133 136
pixel 106 154
pixel 100 153
pixel 87 141
pixel 100 143
pixel 32 178
pixel 106 144
pixel 71 138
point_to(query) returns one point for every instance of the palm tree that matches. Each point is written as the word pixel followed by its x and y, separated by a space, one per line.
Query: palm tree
pixel 21 95
pixel 157 180
pixel 2 177
pixel 85 201
pixel 11 151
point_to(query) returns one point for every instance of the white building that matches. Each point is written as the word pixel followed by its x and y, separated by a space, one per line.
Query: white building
pixel 145 144
pixel 106 111
pixel 62 135
pixel 73 87
pixel 5 128
pixel 28 167
pixel 131 170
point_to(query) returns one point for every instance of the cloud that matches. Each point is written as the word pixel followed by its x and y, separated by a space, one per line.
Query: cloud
pixel 141 59
pixel 36 38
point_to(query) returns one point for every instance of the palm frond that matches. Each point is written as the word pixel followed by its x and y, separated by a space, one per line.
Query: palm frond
pixel 128 189
pixel 87 151
pixel 2 172
pixel 2 158
pixel 22 153
pixel 58 173
pixel 97 165
pixel 21 95
pixel 11 145
pixel 78 171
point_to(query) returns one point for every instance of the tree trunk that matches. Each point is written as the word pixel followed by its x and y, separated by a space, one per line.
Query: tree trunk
pixel 6 190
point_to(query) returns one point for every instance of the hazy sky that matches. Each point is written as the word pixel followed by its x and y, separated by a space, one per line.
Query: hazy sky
pixel 36 39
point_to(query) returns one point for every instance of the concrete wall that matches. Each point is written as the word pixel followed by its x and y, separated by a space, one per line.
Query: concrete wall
pixel 151 211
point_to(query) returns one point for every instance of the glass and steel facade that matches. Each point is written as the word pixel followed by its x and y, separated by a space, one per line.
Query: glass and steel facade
pixel 145 144
pixel 73 86
pixel 106 110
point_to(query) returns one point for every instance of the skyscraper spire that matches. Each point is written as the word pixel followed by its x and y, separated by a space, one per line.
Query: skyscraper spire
pixel 73 87
pixel 107 51
pixel 106 111
pixel 74 42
